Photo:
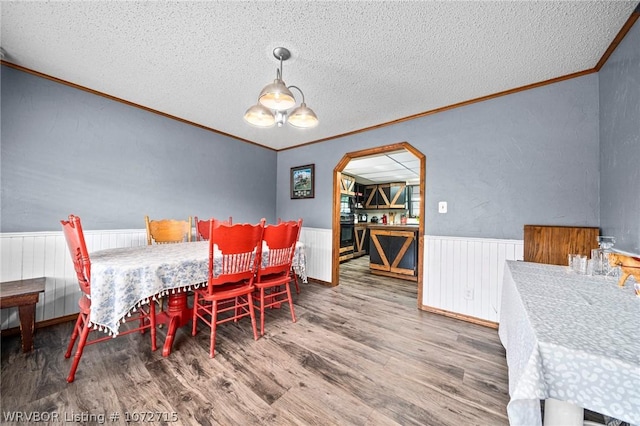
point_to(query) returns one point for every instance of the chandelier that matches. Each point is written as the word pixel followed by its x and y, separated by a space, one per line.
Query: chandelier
pixel 276 99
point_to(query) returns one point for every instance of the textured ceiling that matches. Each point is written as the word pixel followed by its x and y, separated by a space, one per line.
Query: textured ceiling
pixel 359 64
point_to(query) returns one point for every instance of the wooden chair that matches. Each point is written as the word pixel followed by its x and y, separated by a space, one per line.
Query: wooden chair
pixel 77 248
pixel 203 228
pixel 232 269
pixel 167 231
pixel 274 274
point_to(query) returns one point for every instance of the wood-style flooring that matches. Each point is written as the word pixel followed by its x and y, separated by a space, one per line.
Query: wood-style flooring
pixel 360 353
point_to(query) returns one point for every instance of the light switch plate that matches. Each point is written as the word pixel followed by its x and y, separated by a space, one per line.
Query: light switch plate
pixel 442 207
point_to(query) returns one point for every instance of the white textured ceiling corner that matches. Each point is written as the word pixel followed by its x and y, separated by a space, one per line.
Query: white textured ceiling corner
pixel 359 64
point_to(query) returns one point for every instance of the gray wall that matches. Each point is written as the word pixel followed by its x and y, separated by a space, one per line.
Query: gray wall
pixel 531 157
pixel 620 143
pixel 64 151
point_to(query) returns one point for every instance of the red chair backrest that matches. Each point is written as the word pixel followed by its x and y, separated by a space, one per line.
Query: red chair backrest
pixel 203 227
pixel 78 249
pixel 238 254
pixel 281 240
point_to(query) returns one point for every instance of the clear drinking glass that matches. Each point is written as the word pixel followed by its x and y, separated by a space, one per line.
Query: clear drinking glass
pixel 582 265
pixel 596 261
pixel 606 243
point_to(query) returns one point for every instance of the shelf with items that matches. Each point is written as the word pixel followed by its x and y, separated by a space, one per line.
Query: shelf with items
pixel 359 195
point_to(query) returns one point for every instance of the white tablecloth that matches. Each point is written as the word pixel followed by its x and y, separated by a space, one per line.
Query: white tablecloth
pixel 124 278
pixel 571 337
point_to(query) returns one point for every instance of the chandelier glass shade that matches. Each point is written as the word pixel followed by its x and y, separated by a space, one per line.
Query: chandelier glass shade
pixel 276 98
pixel 260 116
pixel 303 117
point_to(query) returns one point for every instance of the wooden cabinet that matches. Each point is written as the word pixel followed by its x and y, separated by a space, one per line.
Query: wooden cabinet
pixel 346 253
pixel 385 196
pixel 552 244
pixel 360 241
pixel 370 196
pixel 347 184
pixel 393 195
pixel 393 251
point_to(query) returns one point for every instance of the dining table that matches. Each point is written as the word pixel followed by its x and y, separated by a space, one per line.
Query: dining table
pixel 572 340
pixel 124 279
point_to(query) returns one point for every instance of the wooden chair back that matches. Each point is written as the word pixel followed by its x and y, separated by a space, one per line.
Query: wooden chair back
pixel 167 231
pixel 234 253
pixel 74 235
pixel 203 227
pixel 281 240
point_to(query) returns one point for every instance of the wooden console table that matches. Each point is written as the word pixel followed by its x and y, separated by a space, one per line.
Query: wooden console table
pixel 552 244
pixel 24 294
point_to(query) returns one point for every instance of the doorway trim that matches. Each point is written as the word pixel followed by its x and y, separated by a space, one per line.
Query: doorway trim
pixel 335 226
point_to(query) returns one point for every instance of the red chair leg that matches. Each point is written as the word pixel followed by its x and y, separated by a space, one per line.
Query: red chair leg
pixel 295 280
pixel 237 310
pixel 214 322
pixel 262 297
pixel 194 320
pixel 74 334
pixel 252 314
pixel 152 315
pixel 293 314
pixel 76 359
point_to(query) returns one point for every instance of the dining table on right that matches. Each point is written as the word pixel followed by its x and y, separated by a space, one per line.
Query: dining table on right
pixel 572 340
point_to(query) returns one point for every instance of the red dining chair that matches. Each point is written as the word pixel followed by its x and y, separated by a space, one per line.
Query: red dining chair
pixel 203 227
pixel 294 276
pixel 234 253
pixel 78 249
pixel 274 272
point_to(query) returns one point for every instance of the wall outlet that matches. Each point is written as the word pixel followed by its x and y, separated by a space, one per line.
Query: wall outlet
pixel 442 207
pixel 468 294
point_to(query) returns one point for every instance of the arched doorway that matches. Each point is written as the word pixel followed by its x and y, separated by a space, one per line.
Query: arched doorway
pixel 335 262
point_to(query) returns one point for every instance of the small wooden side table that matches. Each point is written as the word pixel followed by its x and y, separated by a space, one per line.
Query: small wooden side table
pixel 24 294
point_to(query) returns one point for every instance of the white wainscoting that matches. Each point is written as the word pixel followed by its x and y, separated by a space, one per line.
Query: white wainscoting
pixel 452 267
pixel 464 275
pixel 317 243
pixel 45 254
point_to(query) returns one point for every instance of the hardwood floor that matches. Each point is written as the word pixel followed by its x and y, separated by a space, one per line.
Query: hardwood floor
pixel 361 353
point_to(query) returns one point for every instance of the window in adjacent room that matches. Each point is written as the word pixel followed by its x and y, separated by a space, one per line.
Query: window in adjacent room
pixel 413 200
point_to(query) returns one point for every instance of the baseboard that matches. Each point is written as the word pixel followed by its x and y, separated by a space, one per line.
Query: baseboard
pixel 317 281
pixel 466 318
pixel 15 331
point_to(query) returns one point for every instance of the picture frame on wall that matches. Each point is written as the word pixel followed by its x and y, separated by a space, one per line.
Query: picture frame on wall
pixel 303 182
